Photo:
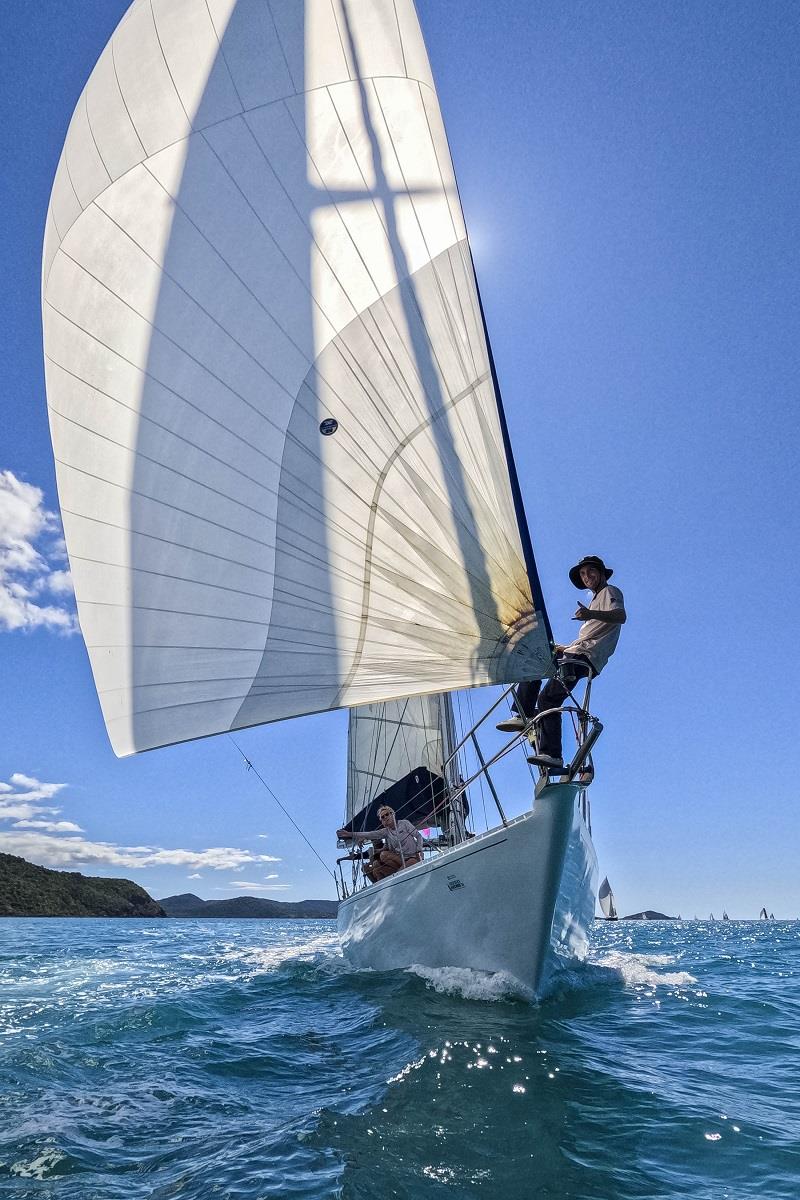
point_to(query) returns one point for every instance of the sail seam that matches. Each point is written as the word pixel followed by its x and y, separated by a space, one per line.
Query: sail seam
pixel 373 511
pixel 147 155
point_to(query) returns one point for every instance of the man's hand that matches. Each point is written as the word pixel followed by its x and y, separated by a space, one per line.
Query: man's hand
pixel 611 616
pixel 343 833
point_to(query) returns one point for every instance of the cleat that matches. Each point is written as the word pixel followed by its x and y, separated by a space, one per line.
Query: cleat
pixel 514 725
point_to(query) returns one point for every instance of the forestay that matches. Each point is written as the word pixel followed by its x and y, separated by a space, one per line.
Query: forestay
pixel 281 461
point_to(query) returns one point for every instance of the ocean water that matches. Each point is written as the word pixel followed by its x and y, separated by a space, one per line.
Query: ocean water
pixel 244 1059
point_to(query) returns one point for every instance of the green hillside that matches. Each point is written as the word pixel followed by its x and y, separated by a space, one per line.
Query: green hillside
pixel 189 905
pixel 30 891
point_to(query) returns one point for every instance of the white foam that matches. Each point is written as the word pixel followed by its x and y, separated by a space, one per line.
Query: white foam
pixel 636 970
pixel 40 1167
pixel 322 950
pixel 470 984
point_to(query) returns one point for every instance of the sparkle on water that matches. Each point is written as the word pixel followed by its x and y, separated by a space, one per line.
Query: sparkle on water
pixel 227 1059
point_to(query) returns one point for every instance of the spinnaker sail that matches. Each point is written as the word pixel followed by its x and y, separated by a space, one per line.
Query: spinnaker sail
pixel 281 461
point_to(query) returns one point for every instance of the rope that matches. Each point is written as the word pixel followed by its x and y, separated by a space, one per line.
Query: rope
pixel 285 812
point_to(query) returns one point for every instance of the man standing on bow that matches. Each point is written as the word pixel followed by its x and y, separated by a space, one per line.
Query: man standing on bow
pixel 585 656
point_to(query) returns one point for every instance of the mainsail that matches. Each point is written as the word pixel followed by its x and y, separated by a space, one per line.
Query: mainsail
pixel 387 741
pixel 606 898
pixel 282 463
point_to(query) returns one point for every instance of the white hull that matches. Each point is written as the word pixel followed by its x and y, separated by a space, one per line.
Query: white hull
pixel 517 899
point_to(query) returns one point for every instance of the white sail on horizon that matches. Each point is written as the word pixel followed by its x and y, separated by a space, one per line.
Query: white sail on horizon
pixel 605 898
pixel 281 462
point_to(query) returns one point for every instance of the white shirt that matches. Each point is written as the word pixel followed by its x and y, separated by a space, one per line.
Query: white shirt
pixel 598 639
pixel 403 839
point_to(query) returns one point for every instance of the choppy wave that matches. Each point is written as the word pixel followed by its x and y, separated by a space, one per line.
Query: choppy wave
pixel 490 986
pixel 191 1059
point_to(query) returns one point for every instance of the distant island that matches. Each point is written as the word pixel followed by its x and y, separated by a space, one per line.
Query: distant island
pixel 649 914
pixel 189 905
pixel 30 891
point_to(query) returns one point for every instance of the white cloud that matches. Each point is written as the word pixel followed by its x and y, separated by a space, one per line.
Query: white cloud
pixel 60 583
pixel 21 801
pixel 195 876
pixel 50 826
pixel 22 812
pixel 30 789
pixel 35 836
pixel 254 887
pixel 21 798
pixel 265 887
pixel 53 851
pixel 32 561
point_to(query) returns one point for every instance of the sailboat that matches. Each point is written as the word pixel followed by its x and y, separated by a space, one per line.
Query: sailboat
pixel 725 916
pixel 762 916
pixel 605 898
pixel 516 898
pixel 282 459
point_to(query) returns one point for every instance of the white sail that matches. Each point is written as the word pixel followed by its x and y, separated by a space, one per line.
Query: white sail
pixel 387 741
pixel 281 461
pixel 605 897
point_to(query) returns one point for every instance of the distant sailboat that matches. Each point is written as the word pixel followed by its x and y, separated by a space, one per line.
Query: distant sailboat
pixel 711 917
pixel 772 916
pixel 606 898
pixel 725 916
pixel 762 916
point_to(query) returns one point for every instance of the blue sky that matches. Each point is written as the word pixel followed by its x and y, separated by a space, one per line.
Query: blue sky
pixel 629 173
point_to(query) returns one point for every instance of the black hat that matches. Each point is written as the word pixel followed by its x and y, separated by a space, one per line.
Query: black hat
pixel 590 560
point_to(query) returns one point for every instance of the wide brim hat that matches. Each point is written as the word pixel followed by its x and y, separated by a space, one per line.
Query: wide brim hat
pixel 590 560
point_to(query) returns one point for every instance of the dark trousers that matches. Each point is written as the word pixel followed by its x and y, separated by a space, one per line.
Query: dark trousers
pixel 530 700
